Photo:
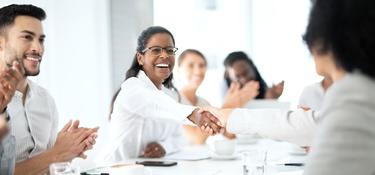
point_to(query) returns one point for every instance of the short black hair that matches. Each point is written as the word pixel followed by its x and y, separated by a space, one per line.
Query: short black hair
pixel 242 56
pixel 9 13
pixel 347 29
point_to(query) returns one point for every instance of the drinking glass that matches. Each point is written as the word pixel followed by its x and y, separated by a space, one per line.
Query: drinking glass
pixel 63 168
pixel 254 161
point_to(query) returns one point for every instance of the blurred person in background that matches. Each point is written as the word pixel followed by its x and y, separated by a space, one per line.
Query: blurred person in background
pixel 192 67
pixel 241 69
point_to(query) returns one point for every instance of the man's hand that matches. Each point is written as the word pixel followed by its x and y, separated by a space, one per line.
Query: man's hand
pixel 89 141
pixel 237 97
pixel 9 79
pixel 154 150
pixel 206 121
pixel 72 141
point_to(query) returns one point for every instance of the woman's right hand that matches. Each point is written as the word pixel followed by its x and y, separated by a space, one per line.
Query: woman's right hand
pixel 154 150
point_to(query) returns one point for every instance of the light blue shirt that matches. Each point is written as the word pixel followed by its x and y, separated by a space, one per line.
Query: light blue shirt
pixel 7 155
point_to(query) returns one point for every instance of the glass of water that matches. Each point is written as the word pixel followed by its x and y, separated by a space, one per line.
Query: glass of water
pixel 63 168
pixel 254 161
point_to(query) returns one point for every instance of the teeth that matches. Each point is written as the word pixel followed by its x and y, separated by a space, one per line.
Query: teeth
pixel 32 58
pixel 162 65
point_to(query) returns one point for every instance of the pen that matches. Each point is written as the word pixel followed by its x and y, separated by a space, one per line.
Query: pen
pixel 292 164
pixel 84 173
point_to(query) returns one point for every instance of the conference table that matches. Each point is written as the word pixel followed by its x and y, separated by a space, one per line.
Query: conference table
pixel 278 153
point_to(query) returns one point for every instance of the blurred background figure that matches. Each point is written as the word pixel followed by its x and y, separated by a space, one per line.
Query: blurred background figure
pixel 192 69
pixel 241 69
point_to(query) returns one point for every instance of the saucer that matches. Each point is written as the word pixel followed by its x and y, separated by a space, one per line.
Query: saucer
pixel 224 157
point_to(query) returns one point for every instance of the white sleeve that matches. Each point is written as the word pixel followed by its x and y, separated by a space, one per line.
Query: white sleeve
pixel 297 127
pixel 55 122
pixel 147 103
pixel 304 98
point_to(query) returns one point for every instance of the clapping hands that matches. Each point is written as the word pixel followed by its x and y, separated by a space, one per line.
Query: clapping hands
pixel 9 79
pixel 72 141
pixel 238 97
pixel 275 91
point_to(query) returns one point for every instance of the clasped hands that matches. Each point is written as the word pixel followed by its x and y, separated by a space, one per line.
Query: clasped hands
pixel 208 119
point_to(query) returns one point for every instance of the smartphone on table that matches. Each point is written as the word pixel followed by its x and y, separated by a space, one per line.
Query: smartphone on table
pixel 156 163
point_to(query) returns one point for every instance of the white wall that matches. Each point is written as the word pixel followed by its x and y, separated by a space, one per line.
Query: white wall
pixel 269 31
pixel 128 19
pixel 278 49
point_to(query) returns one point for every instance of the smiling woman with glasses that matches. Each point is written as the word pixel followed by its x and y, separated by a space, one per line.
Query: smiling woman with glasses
pixel 145 121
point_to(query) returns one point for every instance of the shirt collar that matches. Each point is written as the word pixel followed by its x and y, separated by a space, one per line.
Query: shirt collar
pixel 143 77
pixel 30 90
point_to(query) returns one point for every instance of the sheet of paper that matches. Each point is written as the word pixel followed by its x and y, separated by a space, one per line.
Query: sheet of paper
pixel 190 153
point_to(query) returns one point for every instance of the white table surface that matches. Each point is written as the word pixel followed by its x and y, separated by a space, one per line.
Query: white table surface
pixel 278 152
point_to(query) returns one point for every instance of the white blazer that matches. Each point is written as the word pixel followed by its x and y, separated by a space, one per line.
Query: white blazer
pixel 143 114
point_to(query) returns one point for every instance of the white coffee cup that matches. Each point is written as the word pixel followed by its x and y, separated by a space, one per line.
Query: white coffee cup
pixel 225 147
pixel 128 169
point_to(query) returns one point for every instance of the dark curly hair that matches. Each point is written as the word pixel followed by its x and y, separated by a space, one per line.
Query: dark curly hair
pixel 347 29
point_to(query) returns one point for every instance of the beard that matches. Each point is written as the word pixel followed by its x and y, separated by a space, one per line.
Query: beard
pixel 12 55
pixel 30 71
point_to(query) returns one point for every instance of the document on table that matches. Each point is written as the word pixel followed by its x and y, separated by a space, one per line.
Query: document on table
pixel 190 153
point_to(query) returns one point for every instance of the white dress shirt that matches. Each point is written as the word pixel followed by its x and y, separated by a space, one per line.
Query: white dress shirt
pixel 345 141
pixel 143 114
pixel 34 124
pixel 312 96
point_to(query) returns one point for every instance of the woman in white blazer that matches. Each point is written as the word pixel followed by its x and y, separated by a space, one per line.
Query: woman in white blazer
pixel 143 119
pixel 341 37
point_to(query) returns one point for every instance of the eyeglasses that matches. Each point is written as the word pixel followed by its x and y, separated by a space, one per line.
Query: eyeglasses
pixel 157 50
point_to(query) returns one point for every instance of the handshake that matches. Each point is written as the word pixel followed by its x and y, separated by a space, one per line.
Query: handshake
pixel 210 120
